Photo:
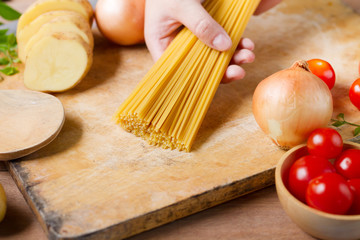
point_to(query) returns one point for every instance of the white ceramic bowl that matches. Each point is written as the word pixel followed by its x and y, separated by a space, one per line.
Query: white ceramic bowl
pixel 316 223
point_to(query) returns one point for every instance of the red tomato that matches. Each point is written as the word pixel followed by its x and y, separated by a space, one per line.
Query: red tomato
pixel 329 193
pixel 303 170
pixel 323 70
pixel 325 142
pixel 354 93
pixel 355 186
pixel 348 163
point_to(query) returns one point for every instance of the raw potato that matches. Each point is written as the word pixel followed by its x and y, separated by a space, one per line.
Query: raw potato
pixel 42 6
pixel 28 31
pixel 62 24
pixel 57 62
pixel 2 203
pixel 55 42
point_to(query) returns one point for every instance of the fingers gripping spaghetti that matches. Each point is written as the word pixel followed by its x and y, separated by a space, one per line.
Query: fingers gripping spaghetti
pixel 168 106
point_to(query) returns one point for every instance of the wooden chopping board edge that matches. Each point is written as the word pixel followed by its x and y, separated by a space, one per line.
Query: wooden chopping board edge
pixel 51 223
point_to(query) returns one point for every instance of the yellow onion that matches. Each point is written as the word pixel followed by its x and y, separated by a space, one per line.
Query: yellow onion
pixel 121 21
pixel 290 104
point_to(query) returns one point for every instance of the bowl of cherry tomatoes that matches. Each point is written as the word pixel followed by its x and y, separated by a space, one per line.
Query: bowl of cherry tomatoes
pixel 318 185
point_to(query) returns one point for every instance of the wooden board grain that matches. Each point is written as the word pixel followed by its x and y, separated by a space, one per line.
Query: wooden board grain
pixel 96 181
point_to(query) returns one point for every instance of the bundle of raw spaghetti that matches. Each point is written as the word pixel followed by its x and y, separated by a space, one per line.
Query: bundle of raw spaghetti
pixel 169 104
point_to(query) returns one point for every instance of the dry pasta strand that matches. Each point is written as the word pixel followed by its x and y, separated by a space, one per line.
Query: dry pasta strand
pixel 168 106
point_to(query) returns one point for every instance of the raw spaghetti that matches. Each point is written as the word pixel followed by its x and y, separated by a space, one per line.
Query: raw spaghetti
pixel 168 106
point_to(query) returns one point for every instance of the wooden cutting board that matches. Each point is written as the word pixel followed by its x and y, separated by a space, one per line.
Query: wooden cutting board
pixel 96 181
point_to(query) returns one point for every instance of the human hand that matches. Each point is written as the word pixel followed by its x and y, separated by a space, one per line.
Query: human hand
pixel 164 17
pixel 355 4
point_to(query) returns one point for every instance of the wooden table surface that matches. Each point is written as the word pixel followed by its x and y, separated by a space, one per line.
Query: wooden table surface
pixel 254 216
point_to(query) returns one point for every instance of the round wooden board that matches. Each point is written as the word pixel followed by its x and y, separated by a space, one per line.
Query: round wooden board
pixel 28 121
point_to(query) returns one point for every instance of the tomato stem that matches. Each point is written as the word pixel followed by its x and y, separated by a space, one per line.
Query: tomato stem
pixel 341 121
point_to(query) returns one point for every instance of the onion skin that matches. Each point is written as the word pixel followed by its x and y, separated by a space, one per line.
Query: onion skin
pixel 121 21
pixel 290 104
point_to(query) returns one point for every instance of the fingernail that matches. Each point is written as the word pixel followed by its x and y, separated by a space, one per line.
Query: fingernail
pixel 244 56
pixel 222 42
pixel 248 44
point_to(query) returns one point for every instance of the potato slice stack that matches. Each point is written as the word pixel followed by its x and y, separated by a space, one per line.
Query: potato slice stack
pixel 56 44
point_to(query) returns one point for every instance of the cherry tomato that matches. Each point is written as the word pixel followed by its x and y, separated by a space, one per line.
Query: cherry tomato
pixel 303 170
pixel 355 186
pixel 348 163
pixel 325 142
pixel 329 193
pixel 354 93
pixel 323 70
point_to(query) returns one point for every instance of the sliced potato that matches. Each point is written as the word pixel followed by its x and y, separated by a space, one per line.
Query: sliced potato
pixel 29 30
pixel 2 203
pixel 57 62
pixel 42 6
pixel 68 23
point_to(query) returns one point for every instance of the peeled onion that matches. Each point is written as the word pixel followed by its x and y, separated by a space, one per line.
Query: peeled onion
pixel 121 21
pixel 290 104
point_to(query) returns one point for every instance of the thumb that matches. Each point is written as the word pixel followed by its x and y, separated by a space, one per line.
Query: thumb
pixel 197 20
